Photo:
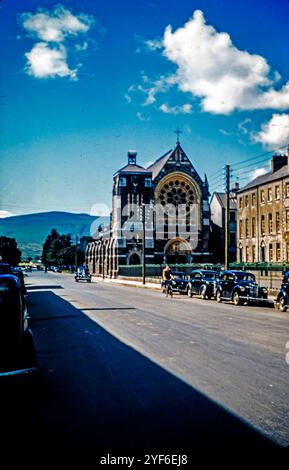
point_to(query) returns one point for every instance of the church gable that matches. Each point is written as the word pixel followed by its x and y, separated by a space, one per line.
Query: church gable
pixel 177 160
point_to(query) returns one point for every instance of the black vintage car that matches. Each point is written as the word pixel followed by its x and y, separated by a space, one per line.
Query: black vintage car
pixel 16 341
pixel 282 300
pixel 203 283
pixel 82 274
pixel 179 283
pixel 239 287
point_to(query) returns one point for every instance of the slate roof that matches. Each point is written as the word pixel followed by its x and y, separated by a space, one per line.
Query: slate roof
pixel 132 169
pixel 158 165
pixel 267 178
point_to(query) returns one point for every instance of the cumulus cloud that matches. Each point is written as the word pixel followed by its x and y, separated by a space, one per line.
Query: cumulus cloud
pixel 52 29
pixel 4 214
pixel 258 172
pixel 212 68
pixel 47 61
pixel 55 26
pixel 275 132
pixel 184 109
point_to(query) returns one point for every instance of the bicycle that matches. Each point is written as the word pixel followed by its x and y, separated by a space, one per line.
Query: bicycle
pixel 169 289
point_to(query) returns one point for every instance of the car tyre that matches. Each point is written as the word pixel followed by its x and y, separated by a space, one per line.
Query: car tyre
pixel 282 304
pixel 189 292
pixel 236 299
pixel 218 296
pixel 203 292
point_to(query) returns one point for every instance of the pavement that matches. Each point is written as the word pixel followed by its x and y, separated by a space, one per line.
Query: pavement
pixel 124 368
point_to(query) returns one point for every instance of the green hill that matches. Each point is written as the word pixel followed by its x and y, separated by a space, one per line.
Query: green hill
pixel 31 230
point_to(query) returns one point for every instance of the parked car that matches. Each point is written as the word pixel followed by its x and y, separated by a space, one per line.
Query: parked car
pixel 17 353
pixel 179 284
pixel 203 283
pixel 56 269
pixel 82 274
pixel 239 287
pixel 282 300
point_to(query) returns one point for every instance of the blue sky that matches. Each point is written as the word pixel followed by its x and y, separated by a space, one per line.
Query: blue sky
pixel 84 81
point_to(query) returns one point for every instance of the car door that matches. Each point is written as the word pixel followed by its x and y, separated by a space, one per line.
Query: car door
pixel 230 282
pixel 225 283
pixel 197 282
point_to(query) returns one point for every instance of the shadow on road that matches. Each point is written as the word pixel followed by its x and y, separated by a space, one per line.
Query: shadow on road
pixel 95 392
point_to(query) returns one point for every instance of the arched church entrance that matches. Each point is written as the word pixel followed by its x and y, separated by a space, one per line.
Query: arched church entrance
pixel 134 259
pixel 178 251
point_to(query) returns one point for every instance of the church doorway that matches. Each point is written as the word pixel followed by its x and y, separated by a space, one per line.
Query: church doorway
pixel 178 251
pixel 134 259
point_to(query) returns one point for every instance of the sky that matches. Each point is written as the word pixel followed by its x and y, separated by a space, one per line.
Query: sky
pixel 84 81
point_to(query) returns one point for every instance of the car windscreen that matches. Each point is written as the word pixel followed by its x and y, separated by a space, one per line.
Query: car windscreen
pixel 179 275
pixel 245 277
pixel 210 275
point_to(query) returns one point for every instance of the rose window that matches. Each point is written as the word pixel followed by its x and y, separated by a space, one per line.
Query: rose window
pixel 177 192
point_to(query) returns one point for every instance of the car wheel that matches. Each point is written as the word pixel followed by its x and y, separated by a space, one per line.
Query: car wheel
pixel 203 292
pixel 190 292
pixel 218 296
pixel 282 304
pixel 236 299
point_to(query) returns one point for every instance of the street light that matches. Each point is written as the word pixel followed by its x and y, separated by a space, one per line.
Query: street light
pixel 143 245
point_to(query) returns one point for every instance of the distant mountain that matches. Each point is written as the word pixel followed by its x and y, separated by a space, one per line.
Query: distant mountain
pixel 31 230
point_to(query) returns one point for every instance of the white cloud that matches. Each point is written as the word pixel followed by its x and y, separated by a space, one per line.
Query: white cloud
pixel 52 29
pixel 141 117
pixel 45 61
pixel 184 109
pixel 211 68
pixel 154 44
pixel 225 132
pixel 56 25
pixel 242 126
pixel 4 214
pixel 100 210
pixel 275 132
pixel 258 172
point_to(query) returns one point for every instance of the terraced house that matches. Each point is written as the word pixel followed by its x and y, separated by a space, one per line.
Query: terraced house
pixel 263 216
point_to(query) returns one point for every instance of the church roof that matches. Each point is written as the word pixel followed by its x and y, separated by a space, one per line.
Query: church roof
pixel 132 169
pixel 158 165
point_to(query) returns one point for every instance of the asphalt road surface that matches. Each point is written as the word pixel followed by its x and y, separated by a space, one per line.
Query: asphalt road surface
pixel 125 367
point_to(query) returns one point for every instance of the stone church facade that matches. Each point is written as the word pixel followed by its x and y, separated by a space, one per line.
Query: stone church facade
pixel 159 197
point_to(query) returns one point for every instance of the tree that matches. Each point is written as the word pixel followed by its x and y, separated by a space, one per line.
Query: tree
pixel 9 251
pixel 47 244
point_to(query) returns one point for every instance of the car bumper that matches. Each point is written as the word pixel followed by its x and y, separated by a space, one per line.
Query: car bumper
pixel 255 299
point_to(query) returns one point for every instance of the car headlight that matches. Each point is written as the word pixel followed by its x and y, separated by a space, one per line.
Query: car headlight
pixel 242 289
pixel 265 290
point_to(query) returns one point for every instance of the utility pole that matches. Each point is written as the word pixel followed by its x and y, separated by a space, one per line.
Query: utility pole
pixel 143 244
pixel 227 216
pixel 75 261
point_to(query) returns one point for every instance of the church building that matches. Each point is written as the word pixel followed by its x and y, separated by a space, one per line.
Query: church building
pixel 141 198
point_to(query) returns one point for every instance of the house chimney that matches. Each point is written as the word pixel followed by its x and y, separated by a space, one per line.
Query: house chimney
pixel 235 187
pixel 278 161
pixel 131 155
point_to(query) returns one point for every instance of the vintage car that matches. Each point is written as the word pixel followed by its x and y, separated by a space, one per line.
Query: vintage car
pixel 82 274
pixel 239 287
pixel 282 300
pixel 17 353
pixel 203 283
pixel 179 283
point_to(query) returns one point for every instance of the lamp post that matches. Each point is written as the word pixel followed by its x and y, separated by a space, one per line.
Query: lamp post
pixel 143 245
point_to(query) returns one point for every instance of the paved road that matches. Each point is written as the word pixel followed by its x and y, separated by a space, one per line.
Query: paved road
pixel 126 367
